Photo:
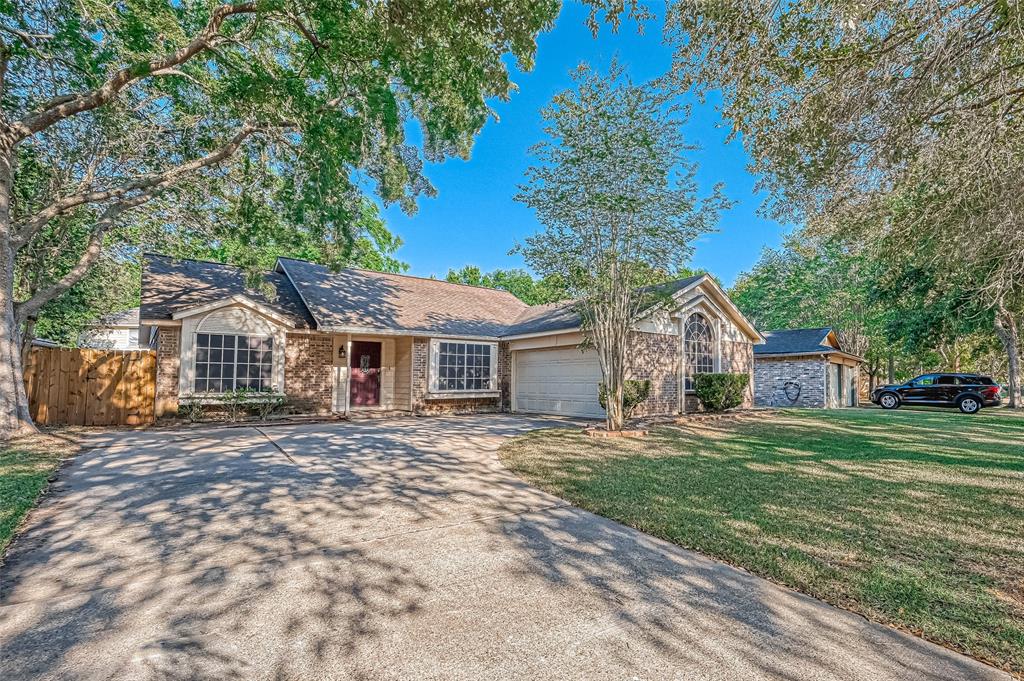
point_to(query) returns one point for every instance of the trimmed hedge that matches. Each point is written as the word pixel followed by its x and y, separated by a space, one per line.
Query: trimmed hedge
pixel 633 394
pixel 718 392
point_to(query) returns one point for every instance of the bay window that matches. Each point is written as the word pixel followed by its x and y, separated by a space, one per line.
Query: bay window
pixel 226 362
pixel 460 366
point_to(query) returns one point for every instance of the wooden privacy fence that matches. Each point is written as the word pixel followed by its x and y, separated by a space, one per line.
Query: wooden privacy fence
pixel 77 387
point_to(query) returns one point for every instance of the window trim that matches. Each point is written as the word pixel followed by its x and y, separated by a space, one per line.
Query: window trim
pixel 195 361
pixel 434 365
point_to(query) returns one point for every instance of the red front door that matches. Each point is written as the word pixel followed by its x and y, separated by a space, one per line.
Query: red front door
pixel 365 367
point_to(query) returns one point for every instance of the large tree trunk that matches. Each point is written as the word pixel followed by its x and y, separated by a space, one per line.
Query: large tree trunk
pixel 14 417
pixel 1008 331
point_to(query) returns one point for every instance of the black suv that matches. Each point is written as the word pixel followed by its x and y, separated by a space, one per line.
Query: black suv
pixel 967 392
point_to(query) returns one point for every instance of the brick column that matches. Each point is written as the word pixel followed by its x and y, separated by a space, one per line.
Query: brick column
pixel 505 376
pixel 309 371
pixel 168 369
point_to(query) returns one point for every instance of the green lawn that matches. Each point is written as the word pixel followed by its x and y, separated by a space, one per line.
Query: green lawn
pixel 25 466
pixel 912 518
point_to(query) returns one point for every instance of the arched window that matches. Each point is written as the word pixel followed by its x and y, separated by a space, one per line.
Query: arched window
pixel 698 348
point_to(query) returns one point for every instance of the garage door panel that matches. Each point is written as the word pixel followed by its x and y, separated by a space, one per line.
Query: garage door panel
pixel 558 381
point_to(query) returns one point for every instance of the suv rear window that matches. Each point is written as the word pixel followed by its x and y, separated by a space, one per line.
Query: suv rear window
pixel 976 380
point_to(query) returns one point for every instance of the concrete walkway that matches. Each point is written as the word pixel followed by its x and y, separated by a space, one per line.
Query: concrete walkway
pixel 396 549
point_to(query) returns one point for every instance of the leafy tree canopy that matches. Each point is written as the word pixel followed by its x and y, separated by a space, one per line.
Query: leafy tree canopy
pixel 518 282
pixel 288 113
pixel 892 125
pixel 620 207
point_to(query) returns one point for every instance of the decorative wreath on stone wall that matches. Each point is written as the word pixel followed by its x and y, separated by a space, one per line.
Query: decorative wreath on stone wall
pixel 792 390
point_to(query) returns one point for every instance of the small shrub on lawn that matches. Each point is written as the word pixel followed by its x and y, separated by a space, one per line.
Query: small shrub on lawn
pixel 633 395
pixel 718 392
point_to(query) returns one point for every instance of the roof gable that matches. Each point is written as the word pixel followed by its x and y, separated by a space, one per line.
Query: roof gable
pixel 720 301
pixel 171 286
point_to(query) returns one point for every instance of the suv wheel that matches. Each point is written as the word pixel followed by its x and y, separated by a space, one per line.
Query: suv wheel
pixel 889 401
pixel 969 405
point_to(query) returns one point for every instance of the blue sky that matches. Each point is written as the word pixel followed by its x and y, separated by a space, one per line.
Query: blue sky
pixel 474 221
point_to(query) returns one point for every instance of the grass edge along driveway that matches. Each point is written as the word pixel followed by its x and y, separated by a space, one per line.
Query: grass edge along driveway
pixel 26 466
pixel 914 519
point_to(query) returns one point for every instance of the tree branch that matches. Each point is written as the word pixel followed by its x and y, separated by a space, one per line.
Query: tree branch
pixel 29 39
pixel 87 101
pixel 26 229
pixel 28 308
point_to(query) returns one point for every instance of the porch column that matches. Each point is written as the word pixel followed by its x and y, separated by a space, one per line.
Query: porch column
pixel 348 373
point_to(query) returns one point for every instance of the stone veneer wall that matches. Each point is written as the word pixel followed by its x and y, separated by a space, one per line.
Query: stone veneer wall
pixel 738 358
pixel 656 357
pixel 168 369
pixel 422 404
pixel 308 371
pixel 771 375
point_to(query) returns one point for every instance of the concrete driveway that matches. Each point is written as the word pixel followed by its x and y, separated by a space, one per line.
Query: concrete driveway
pixel 385 550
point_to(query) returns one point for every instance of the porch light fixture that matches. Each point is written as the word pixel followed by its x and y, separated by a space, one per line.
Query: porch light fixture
pixel 342 354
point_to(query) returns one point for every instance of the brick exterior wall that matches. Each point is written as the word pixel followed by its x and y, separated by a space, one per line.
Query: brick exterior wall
pixel 738 358
pixel 656 357
pixel 308 371
pixel 423 404
pixel 771 375
pixel 505 376
pixel 168 370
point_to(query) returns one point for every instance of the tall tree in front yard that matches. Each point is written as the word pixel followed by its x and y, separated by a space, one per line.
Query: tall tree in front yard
pixel 177 109
pixel 620 208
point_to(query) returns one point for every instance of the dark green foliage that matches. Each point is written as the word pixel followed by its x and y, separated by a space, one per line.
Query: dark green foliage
pixel 634 393
pixel 719 392
pixel 519 283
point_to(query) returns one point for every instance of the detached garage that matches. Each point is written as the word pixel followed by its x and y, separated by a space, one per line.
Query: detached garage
pixel 560 381
pixel 805 368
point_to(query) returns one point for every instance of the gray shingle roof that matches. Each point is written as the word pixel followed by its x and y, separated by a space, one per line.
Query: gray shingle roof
pixel 397 302
pixel 313 296
pixel 170 285
pixel 122 318
pixel 562 315
pixel 671 287
pixel 541 318
pixel 795 342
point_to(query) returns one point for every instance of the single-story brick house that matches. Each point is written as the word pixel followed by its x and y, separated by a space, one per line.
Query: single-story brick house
pixel 361 340
pixel 805 368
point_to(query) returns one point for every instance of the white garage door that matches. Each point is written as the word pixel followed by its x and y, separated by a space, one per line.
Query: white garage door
pixel 562 381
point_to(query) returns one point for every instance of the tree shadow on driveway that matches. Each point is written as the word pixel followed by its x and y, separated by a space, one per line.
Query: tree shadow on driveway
pixel 389 549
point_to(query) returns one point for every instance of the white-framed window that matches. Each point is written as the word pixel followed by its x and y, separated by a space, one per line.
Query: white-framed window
pixel 226 362
pixel 699 348
pixel 461 366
